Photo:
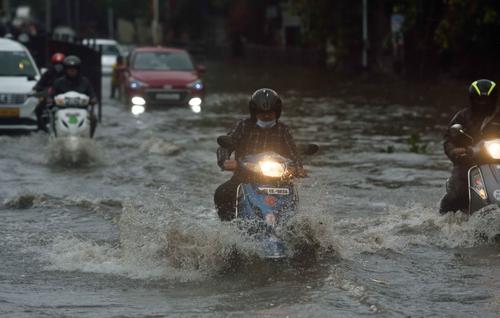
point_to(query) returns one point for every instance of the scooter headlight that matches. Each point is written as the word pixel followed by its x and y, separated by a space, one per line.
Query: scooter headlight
pixel 271 168
pixel 493 148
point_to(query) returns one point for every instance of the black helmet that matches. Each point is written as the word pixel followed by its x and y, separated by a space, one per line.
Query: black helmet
pixel 72 61
pixel 265 100
pixel 483 96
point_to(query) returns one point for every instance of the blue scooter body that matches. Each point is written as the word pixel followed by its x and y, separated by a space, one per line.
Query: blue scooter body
pixel 267 205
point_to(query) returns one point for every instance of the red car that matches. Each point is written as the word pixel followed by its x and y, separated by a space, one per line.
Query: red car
pixel 159 76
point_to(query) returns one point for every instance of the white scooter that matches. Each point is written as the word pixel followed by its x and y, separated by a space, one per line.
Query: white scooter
pixel 70 116
pixel 70 129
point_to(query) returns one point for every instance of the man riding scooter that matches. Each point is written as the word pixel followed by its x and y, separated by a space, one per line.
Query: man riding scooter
pixel 55 71
pixel 73 80
pixel 483 98
pixel 261 132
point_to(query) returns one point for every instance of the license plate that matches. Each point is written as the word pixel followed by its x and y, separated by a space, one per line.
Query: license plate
pixel 9 112
pixel 275 191
pixel 171 96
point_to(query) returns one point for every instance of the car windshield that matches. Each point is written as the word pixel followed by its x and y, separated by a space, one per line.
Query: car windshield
pixel 163 61
pixel 16 63
pixel 109 49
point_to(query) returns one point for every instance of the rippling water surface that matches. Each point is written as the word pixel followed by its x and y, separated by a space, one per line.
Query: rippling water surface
pixel 130 229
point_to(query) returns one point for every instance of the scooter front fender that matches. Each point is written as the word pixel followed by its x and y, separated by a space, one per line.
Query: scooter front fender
pixel 484 186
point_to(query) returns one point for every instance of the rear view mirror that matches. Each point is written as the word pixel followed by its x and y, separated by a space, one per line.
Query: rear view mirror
pixel 456 130
pixel 225 142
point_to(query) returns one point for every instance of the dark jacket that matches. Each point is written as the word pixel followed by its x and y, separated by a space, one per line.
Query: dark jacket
pixel 249 139
pixel 472 125
pixel 47 80
pixel 78 84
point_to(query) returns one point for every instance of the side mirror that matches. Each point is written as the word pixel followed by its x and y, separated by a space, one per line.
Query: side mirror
pixel 456 130
pixel 225 142
pixel 43 70
pixel 308 149
pixel 201 69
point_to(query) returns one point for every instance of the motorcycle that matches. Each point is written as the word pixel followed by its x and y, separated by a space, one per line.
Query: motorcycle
pixel 267 198
pixel 484 176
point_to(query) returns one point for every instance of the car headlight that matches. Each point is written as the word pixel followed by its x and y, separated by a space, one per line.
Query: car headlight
pixel 272 168
pixel 197 85
pixel 138 100
pixel 137 110
pixel 136 84
pixel 493 148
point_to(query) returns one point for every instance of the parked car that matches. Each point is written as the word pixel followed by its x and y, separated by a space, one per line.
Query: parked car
pixel 18 75
pixel 110 49
pixel 160 76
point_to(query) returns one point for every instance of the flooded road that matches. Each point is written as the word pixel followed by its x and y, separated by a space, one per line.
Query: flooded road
pixel 133 232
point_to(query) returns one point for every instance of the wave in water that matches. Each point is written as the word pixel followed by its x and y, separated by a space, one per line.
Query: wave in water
pixel 403 227
pixel 160 240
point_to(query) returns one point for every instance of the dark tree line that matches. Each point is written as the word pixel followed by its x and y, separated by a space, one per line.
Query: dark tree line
pixel 460 37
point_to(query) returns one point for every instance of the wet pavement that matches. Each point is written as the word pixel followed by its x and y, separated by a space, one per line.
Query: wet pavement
pixel 131 230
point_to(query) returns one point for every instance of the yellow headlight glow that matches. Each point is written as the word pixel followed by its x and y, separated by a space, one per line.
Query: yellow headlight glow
pixel 493 148
pixel 272 168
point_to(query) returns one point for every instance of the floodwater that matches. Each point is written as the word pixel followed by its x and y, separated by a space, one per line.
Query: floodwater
pixel 131 231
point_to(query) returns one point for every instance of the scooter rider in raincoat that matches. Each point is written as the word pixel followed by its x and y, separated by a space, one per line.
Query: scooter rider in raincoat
pixel 55 71
pixel 483 97
pixel 73 80
pixel 261 132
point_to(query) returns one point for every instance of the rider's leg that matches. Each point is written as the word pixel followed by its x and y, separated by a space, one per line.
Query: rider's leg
pixel 225 199
pixel 457 196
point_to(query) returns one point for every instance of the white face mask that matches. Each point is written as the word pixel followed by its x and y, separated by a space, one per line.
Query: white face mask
pixel 266 123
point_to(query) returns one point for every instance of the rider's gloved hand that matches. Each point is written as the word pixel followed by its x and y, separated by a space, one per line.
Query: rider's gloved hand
pixel 459 152
pixel 230 165
pixel 301 172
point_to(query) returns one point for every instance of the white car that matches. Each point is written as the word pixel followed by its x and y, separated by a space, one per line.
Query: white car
pixel 18 75
pixel 110 49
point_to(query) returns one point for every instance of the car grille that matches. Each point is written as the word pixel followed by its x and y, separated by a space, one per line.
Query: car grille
pixel 17 121
pixel 11 99
pixel 166 97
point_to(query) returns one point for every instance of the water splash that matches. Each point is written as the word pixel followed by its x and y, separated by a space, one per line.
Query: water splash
pixel 74 152
pixel 414 225
pixel 158 239
pixel 25 200
pixel 159 146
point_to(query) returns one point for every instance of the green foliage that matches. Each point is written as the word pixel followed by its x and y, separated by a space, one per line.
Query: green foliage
pixel 476 29
pixel 336 21
pixel 389 149
pixel 416 145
